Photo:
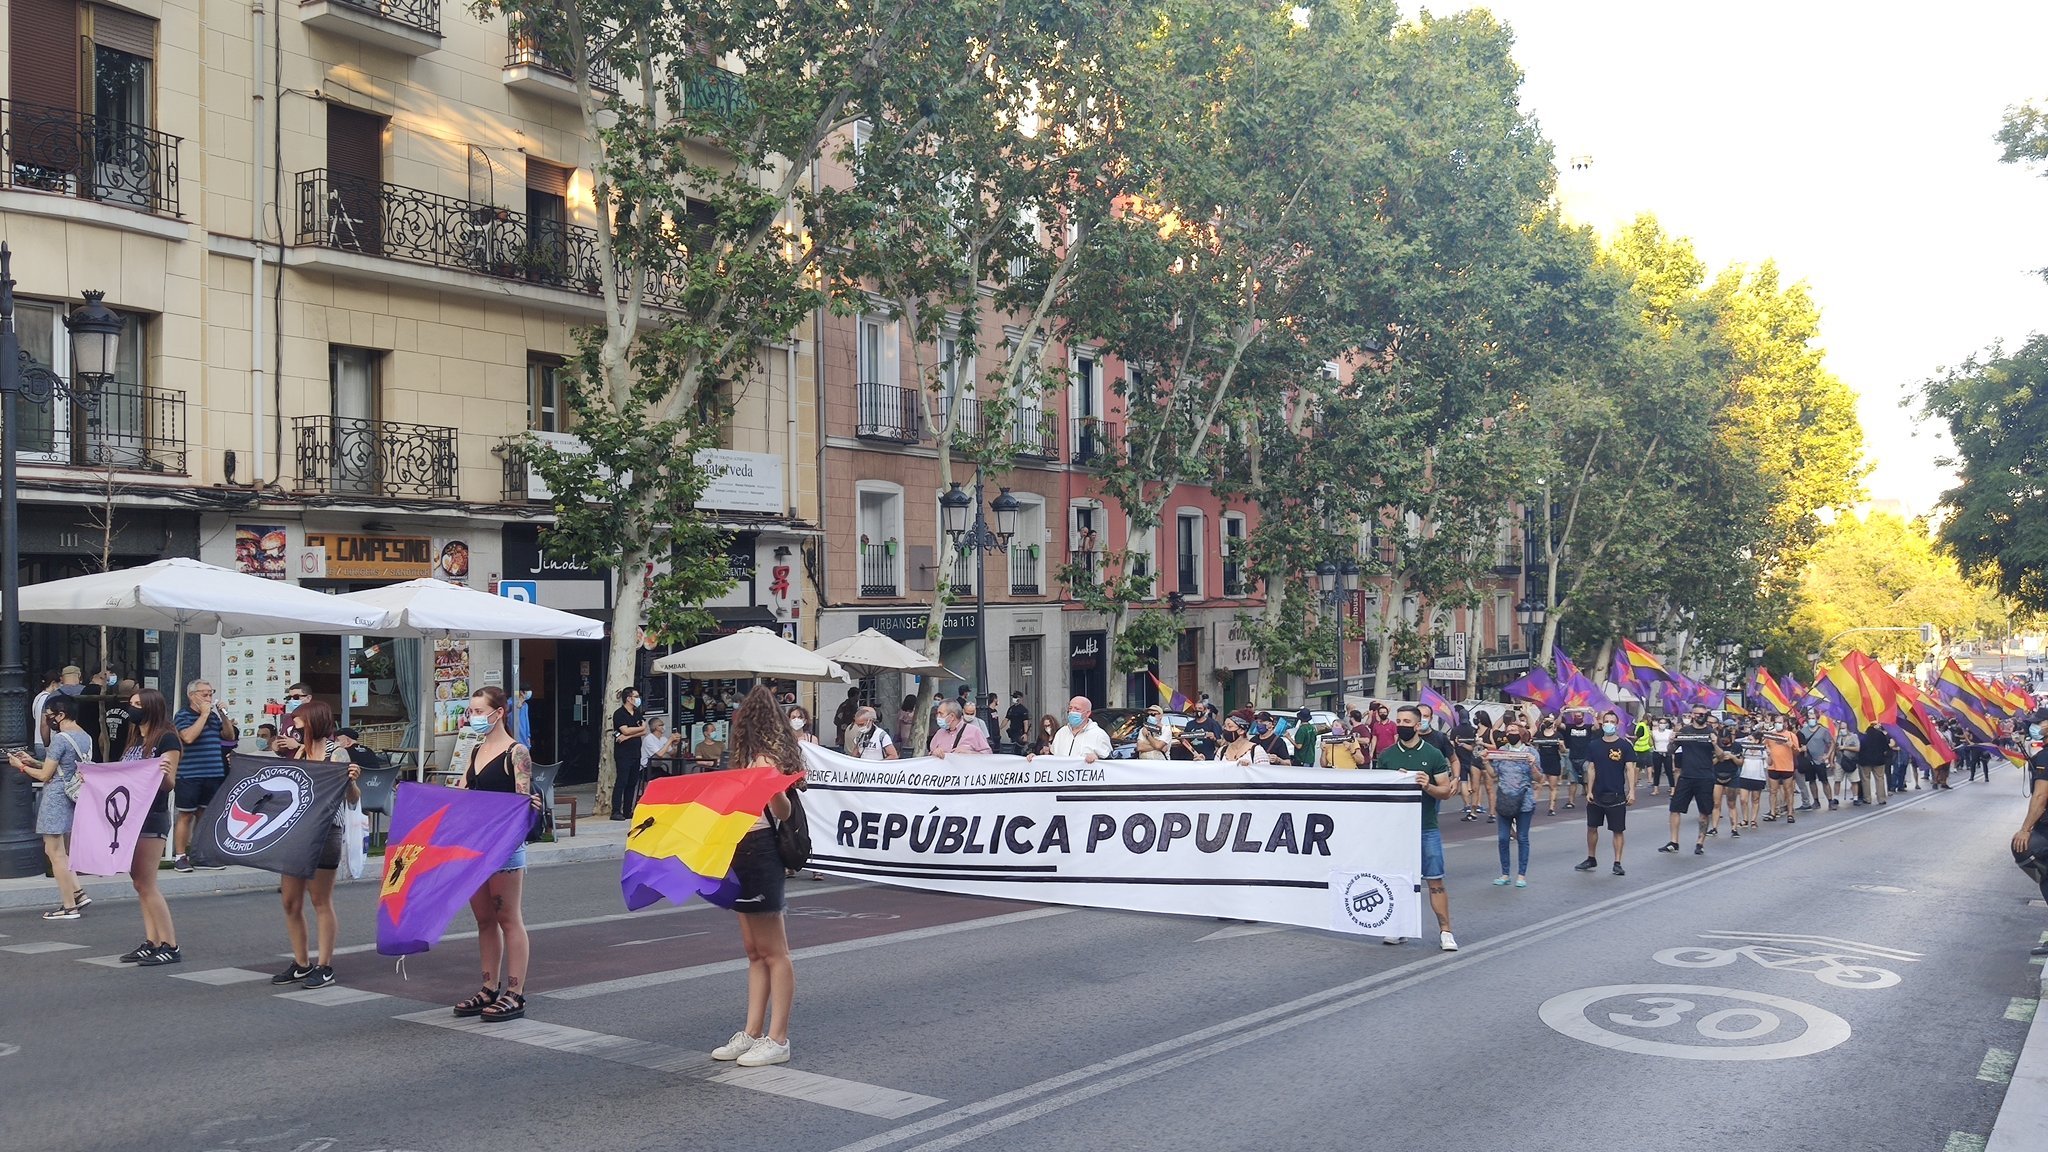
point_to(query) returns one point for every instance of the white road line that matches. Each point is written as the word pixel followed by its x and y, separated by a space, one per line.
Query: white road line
pixel 1235 930
pixel 610 917
pixel 677 975
pixel 846 1095
pixel 331 996
pixel 38 947
pixel 1876 950
pixel 112 961
pixel 221 977
pixel 1082 1084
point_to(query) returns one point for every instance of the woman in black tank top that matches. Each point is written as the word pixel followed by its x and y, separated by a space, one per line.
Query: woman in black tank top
pixel 498 763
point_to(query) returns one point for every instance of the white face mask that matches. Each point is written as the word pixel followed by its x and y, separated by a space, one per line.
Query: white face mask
pixel 796 723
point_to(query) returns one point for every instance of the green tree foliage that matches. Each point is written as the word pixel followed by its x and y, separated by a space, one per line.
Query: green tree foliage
pixel 1995 406
pixel 1881 571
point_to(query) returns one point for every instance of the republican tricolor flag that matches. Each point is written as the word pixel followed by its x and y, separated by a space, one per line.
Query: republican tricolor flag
pixel 685 830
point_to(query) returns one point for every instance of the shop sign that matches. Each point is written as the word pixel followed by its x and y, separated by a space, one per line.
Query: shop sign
pixel 741 481
pixel 367 557
pixel 912 625
pixel 1085 650
pixel 1233 647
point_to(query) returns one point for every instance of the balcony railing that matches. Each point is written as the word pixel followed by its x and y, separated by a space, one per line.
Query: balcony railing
pixel 424 15
pixel 1085 565
pixel 1023 571
pixel 1188 574
pixel 526 46
pixel 1233 578
pixel 399 223
pixel 99 158
pixel 716 90
pixel 517 473
pixel 878 571
pixel 345 456
pixel 890 413
pixel 967 425
pixel 1095 441
pixel 1035 435
pixel 963 573
pixel 114 425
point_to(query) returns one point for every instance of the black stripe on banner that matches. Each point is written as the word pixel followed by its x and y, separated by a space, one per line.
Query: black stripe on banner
pixel 970 868
pixel 1412 792
pixel 1083 797
pixel 1040 878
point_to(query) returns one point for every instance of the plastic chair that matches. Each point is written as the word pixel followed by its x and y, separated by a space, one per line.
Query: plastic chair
pixel 377 785
pixel 544 787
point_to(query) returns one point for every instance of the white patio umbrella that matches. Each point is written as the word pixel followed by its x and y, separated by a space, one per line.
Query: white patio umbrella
pixel 430 609
pixel 185 596
pixel 869 651
pixel 751 654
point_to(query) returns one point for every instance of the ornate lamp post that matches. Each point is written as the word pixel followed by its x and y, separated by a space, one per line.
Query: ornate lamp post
pixel 967 527
pixel 1337 581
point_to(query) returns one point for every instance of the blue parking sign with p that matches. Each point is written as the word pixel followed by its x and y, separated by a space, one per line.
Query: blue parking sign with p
pixel 525 591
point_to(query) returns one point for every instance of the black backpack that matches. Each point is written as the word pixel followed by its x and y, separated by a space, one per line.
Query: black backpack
pixel 793 836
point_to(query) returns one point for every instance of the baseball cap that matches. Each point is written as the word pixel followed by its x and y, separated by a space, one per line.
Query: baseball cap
pixel 73 670
pixel 350 733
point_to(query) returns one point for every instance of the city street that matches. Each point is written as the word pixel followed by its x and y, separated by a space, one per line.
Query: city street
pixel 1857 981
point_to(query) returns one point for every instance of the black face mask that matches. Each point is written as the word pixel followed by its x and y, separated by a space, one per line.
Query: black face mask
pixel 1231 733
pixel 1405 731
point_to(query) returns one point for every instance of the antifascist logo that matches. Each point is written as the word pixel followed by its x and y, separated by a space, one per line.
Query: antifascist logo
pixel 262 808
pixel 1368 901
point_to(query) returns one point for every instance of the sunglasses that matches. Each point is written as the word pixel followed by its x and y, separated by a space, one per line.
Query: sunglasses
pixel 296 696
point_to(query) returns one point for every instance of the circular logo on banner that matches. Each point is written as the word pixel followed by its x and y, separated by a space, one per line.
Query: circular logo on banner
pixel 262 808
pixel 1368 901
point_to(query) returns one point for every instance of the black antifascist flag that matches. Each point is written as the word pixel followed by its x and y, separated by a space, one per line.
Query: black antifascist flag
pixel 272 814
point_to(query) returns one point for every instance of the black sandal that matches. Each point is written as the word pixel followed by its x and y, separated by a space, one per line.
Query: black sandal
pixel 508 1006
pixel 475 1005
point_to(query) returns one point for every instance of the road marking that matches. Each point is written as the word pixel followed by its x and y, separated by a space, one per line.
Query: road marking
pixel 331 996
pixel 661 939
pixel 1878 950
pixel 1236 930
pixel 1963 1142
pixel 1081 1084
pixel 846 1095
pixel 1880 889
pixel 611 917
pixel 9 1049
pixel 221 977
pixel 1660 1006
pixel 1997 1066
pixel 2022 1009
pixel 678 975
pixel 106 961
pixel 38 947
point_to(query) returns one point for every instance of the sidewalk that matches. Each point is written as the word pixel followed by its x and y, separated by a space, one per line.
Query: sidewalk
pixel 2023 1119
pixel 595 839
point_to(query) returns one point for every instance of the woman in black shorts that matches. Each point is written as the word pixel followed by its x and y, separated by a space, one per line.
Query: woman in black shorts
pixel 1550 757
pixel 150 734
pixel 761 737
pixel 312 726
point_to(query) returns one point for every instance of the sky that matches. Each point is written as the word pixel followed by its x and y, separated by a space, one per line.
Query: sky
pixel 1850 142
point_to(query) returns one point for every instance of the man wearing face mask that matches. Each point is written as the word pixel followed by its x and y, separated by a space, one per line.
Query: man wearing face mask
pixel 957 732
pixel 1431 770
pixel 867 739
pixel 287 743
pixel 1081 735
pixel 1610 789
pixel 1266 735
pixel 1695 750
pixel 627 729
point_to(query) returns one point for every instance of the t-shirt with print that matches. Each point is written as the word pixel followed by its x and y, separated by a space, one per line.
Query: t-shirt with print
pixel 203 757
pixel 1514 772
pixel 1611 758
pixel 1424 757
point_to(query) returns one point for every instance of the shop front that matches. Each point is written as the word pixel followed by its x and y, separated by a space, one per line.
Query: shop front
pixel 567 714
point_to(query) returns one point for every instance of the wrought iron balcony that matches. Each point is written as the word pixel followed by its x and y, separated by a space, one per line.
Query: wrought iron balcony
pixel 410 27
pixel 1233 579
pixel 714 89
pixel 889 413
pixel 963 573
pixel 113 424
pixel 1024 570
pixel 345 456
pixel 1085 564
pixel 878 572
pixel 101 158
pixel 424 15
pixel 967 425
pixel 528 47
pixel 1035 435
pixel 399 223
pixel 1188 574
pixel 518 474
pixel 1096 441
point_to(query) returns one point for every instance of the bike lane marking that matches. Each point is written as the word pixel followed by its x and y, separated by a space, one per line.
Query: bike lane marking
pixel 1571 1014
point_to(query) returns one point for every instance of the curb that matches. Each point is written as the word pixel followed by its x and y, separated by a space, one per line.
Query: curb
pixel 41 891
pixel 2022 1124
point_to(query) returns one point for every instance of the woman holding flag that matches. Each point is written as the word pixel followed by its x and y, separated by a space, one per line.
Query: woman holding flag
pixel 498 763
pixel 312 726
pixel 762 739
pixel 150 734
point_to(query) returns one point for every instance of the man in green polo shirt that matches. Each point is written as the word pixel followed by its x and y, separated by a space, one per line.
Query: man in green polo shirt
pixel 1433 772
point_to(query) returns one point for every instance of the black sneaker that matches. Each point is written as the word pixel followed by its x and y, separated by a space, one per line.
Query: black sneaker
pixel 1699 849
pixel 183 863
pixel 319 977
pixel 1671 846
pixel 292 974
pixel 164 954
pixel 1618 869
pixel 1586 865
pixel 141 950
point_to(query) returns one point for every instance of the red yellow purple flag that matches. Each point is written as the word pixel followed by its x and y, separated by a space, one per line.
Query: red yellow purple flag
pixel 1768 692
pixel 1642 664
pixel 685 830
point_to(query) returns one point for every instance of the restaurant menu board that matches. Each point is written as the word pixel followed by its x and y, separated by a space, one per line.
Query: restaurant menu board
pixel 255 671
pixel 451 685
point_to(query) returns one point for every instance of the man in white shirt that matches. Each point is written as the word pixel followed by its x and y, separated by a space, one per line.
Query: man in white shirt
pixel 1081 735
pixel 867 739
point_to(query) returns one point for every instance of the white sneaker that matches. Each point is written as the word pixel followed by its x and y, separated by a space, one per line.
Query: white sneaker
pixel 1449 942
pixel 765 1052
pixel 738 1046
pixel 1392 939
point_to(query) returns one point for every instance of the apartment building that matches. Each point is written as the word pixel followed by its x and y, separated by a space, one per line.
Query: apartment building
pixel 353 241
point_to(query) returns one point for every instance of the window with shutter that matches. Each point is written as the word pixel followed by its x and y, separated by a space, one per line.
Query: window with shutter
pixel 353 215
pixel 44 145
pixel 547 217
pixel 122 30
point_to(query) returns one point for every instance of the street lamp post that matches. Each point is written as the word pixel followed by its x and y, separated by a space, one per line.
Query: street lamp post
pixel 968 527
pixel 1337 581
pixel 1531 615
pixel 95 340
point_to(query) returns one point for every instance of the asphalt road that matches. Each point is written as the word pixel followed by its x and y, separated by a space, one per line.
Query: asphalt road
pixel 1856 981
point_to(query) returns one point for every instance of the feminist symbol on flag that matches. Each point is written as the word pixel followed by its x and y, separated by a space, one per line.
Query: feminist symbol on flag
pixel 117 805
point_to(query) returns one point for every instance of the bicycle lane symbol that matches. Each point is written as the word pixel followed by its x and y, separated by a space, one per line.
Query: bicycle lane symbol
pixel 1834 962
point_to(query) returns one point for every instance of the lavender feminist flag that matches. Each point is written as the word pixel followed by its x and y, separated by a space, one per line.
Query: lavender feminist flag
pixel 444 843
pixel 113 801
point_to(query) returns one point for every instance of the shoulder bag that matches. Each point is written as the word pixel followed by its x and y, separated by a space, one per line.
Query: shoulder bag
pixel 793 836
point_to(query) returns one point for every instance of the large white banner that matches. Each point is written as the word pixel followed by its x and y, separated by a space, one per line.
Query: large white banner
pixel 1316 847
